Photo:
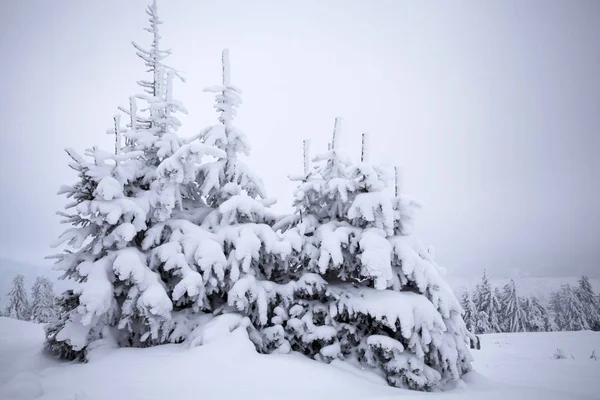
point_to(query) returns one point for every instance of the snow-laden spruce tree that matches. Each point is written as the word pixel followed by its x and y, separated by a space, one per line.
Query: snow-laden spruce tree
pixel 588 299
pixel 511 314
pixel 536 316
pixel 470 311
pixel 367 289
pixel 569 312
pixel 133 251
pixel 238 213
pixel 18 300
pixel 43 304
pixel 554 308
pixel 487 303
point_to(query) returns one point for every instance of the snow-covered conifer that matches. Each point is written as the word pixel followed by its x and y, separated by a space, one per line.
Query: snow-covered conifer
pixel 470 312
pixel 536 316
pixel 367 288
pixel 43 307
pixel 488 305
pixel 555 308
pixel 570 313
pixel 588 299
pixel 239 215
pixel 512 316
pixel 135 254
pixel 18 301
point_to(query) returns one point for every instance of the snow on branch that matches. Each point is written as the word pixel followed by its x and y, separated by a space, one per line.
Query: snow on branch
pixel 396 181
pixel 364 154
pixel 226 67
pixel 305 155
pixel 337 126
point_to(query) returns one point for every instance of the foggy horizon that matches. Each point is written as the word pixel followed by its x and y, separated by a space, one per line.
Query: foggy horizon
pixel 490 110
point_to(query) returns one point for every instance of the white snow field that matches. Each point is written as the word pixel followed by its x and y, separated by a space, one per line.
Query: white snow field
pixel 509 367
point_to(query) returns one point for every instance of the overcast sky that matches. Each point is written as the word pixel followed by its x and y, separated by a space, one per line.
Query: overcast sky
pixel 492 109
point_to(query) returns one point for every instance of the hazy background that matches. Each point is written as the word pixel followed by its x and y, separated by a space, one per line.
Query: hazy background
pixel 491 109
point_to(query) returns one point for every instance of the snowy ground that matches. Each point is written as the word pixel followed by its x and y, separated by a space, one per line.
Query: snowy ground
pixel 509 366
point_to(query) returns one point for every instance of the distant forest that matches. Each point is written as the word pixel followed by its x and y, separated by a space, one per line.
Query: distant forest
pixel 489 309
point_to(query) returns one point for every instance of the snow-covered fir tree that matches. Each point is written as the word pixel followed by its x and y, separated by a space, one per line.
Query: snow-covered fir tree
pixel 588 299
pixel 43 307
pixel 18 300
pixel 367 288
pixel 536 316
pixel 238 213
pixel 554 307
pixel 511 313
pixel 470 311
pixel 135 255
pixel 488 305
pixel 166 233
pixel 570 313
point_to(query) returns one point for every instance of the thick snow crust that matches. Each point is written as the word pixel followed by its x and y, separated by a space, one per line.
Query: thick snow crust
pixel 219 362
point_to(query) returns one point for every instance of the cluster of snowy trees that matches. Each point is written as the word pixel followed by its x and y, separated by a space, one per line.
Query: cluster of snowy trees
pixel 42 306
pixel 576 308
pixel 489 310
pixel 169 233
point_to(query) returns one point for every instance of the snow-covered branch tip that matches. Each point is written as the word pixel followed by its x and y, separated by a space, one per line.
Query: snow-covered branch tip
pixel 364 154
pixel 337 126
pixel 305 155
pixel 117 131
pixel 226 67
pixel 396 181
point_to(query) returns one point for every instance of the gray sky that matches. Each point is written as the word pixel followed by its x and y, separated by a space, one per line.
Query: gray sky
pixel 492 109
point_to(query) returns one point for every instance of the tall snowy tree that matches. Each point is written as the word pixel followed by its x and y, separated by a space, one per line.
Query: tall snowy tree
pixel 536 316
pixel 368 289
pixel 488 305
pixel 588 299
pixel 511 313
pixel 239 216
pixel 470 311
pixel 134 253
pixel 18 301
pixel 43 307
pixel 568 309
pixel 555 308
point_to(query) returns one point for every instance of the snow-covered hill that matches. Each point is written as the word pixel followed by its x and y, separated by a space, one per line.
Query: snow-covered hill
pixel 9 269
pixel 509 366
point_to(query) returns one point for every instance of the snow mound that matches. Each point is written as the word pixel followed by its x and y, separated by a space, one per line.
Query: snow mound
pixel 522 360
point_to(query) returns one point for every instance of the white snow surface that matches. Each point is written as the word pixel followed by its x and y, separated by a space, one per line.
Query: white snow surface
pixel 509 366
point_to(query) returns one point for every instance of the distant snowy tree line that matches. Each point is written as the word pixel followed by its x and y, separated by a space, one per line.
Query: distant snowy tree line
pixel 40 308
pixel 488 310
pixel 169 235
